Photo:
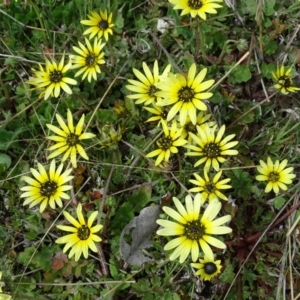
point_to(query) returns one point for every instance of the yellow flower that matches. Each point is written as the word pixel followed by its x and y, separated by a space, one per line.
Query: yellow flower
pixel 283 80
pixel 51 80
pixel 167 144
pixel 68 139
pixel 158 112
pixel 194 229
pixel 201 121
pixel 211 147
pixel 185 93
pixel 210 188
pixel 89 59
pixel 208 267
pixel 100 24
pixel 145 88
pixel 83 235
pixel 46 188
pixel 275 174
pixel 197 7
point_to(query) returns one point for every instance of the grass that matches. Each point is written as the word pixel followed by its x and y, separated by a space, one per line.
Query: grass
pixel 241 46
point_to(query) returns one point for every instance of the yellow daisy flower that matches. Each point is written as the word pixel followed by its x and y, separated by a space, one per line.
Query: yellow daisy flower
pixel 284 81
pixel 208 267
pixel 46 188
pixel 210 188
pixel 89 59
pixel 83 235
pixel 275 174
pixel 201 121
pixel 197 7
pixel 51 80
pixel 211 147
pixel 194 229
pixel 145 89
pixel 101 24
pixel 167 144
pixel 158 113
pixel 185 93
pixel 68 139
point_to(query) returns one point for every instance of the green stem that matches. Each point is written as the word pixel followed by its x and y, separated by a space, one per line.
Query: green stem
pixel 200 39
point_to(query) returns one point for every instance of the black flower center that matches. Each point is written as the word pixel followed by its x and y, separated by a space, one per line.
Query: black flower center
pixel 56 76
pixel 210 268
pixel 274 177
pixel 211 150
pixel 90 60
pixel 210 187
pixel 194 230
pixel 195 4
pixel 103 24
pixel 186 94
pixel 72 139
pixel 83 232
pixel 152 90
pixel 191 128
pixel 165 143
pixel 48 188
pixel 285 81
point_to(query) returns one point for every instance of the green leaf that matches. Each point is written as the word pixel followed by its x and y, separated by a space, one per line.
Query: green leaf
pixel 279 202
pixel 240 182
pixel 5 160
pixel 228 274
pixel 269 7
pixel 240 74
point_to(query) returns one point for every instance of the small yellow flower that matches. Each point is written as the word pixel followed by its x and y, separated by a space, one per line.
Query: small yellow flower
pixel 210 188
pixel 284 81
pixel 208 267
pixel 68 139
pixel 186 94
pixel 101 24
pixel 167 144
pixel 194 229
pixel 51 80
pixel 211 147
pixel 197 7
pixel 145 89
pixel 46 188
pixel 89 59
pixel 275 174
pixel 83 235
pixel 158 113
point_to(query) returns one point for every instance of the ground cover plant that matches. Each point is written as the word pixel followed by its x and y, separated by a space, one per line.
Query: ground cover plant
pixel 149 149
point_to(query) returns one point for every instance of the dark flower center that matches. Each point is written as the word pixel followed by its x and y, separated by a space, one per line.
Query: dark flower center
pixel 72 139
pixel 285 81
pixel 48 188
pixel 83 232
pixel 195 4
pixel 152 90
pixel 90 60
pixel 103 24
pixel 191 128
pixel 274 177
pixel 210 187
pixel 165 143
pixel 186 94
pixel 56 76
pixel 210 268
pixel 211 150
pixel 194 230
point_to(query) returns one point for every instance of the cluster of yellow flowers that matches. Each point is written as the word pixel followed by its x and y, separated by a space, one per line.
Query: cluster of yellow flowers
pixel 49 187
pixel 52 79
pixel 178 103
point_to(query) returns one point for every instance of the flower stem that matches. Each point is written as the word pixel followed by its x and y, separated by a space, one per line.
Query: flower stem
pixel 200 42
